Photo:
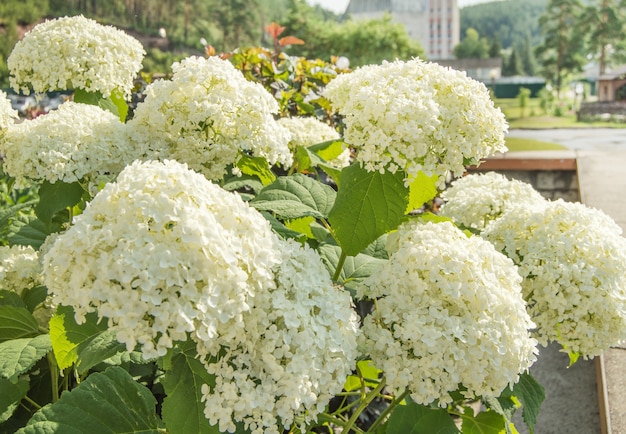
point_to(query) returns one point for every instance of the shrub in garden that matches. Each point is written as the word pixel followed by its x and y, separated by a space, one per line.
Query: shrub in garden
pixel 200 277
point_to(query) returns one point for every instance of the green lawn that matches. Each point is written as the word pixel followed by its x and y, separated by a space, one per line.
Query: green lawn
pixel 516 144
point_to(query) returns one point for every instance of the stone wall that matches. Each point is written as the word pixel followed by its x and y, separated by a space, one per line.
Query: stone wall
pixel 552 184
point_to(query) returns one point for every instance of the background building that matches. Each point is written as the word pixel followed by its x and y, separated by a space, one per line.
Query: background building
pixel 434 23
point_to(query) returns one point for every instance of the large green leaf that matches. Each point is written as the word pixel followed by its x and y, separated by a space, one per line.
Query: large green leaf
pixel 355 269
pixel 17 356
pixel 183 409
pixel 485 422
pixel 16 322
pixel 531 394
pixel 34 233
pixel 11 393
pixel 57 197
pixel 417 419
pixel 115 103
pixel 327 150
pixel 306 159
pixel 86 344
pixel 296 196
pixel 110 402
pixel 368 205
pixel 10 298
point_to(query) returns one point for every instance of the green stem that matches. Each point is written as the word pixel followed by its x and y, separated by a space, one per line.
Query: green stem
pixel 31 402
pixel 54 377
pixel 364 403
pixel 342 260
pixel 388 410
pixel 325 417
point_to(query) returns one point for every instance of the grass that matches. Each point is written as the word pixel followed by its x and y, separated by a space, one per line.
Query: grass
pixel 516 144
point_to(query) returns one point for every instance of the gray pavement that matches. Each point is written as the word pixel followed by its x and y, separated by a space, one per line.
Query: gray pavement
pixel 583 139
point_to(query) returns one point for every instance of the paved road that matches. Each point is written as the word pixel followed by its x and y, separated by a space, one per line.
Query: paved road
pixel 601 139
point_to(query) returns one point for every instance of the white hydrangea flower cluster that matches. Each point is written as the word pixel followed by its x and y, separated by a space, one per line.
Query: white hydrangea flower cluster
pixel 160 253
pixel 572 258
pixel 7 113
pixel 298 349
pixel 75 142
pixel 307 131
pixel 417 116
pixel 206 116
pixel 19 268
pixel 75 53
pixel 448 311
pixel 475 200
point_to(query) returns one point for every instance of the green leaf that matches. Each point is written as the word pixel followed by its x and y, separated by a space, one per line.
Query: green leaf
pixel 296 196
pixel 505 406
pixel 56 197
pixel 10 298
pixel 302 225
pixel 34 296
pixel 16 322
pixel 256 166
pixel 115 103
pixel 422 190
pixel 417 419
pixel 332 172
pixel 368 205
pixel 105 403
pixel 86 344
pixel 355 269
pixel 11 393
pixel 17 356
pixel 327 150
pixel 531 394
pixel 10 221
pixel 306 159
pixel 369 373
pixel 283 230
pixel 235 183
pixel 486 422
pixel 183 409
pixel 378 249
pixel 34 233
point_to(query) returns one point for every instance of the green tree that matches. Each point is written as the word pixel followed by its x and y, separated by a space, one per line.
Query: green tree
pixel 527 57
pixel 239 22
pixel 495 48
pixel 562 51
pixel 472 46
pixel 604 25
pixel 512 66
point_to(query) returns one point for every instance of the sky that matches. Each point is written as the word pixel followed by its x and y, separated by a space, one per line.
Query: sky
pixel 339 6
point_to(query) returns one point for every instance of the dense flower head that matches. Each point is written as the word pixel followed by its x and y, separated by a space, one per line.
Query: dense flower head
pixel 413 115
pixel 207 116
pixel 307 131
pixel 75 142
pixel 475 200
pixel 448 311
pixel 19 268
pixel 298 349
pixel 572 258
pixel 75 53
pixel 160 253
pixel 7 113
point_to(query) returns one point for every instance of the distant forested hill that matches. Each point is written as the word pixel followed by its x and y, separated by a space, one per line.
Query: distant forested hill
pixel 512 21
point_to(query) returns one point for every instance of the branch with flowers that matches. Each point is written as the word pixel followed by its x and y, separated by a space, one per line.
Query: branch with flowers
pixel 201 266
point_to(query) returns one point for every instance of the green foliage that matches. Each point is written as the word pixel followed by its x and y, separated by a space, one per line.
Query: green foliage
pixel 472 46
pixel 417 419
pixel 522 98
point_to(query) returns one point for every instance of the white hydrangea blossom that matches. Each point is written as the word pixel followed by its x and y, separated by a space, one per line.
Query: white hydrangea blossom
pixel 75 142
pixel 308 131
pixel 7 113
pixel 298 349
pixel 572 258
pixel 448 311
pixel 416 116
pixel 75 53
pixel 475 200
pixel 206 116
pixel 160 253
pixel 19 268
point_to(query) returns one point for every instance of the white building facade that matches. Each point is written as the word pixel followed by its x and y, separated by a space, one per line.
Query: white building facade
pixel 434 23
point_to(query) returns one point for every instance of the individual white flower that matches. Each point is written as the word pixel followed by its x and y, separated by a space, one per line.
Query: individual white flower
pixel 207 116
pixel 75 142
pixel 298 349
pixel 75 53
pixel 163 252
pixel 416 116
pixel 7 113
pixel 572 258
pixel 308 131
pixel 475 200
pixel 448 312
pixel 19 268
